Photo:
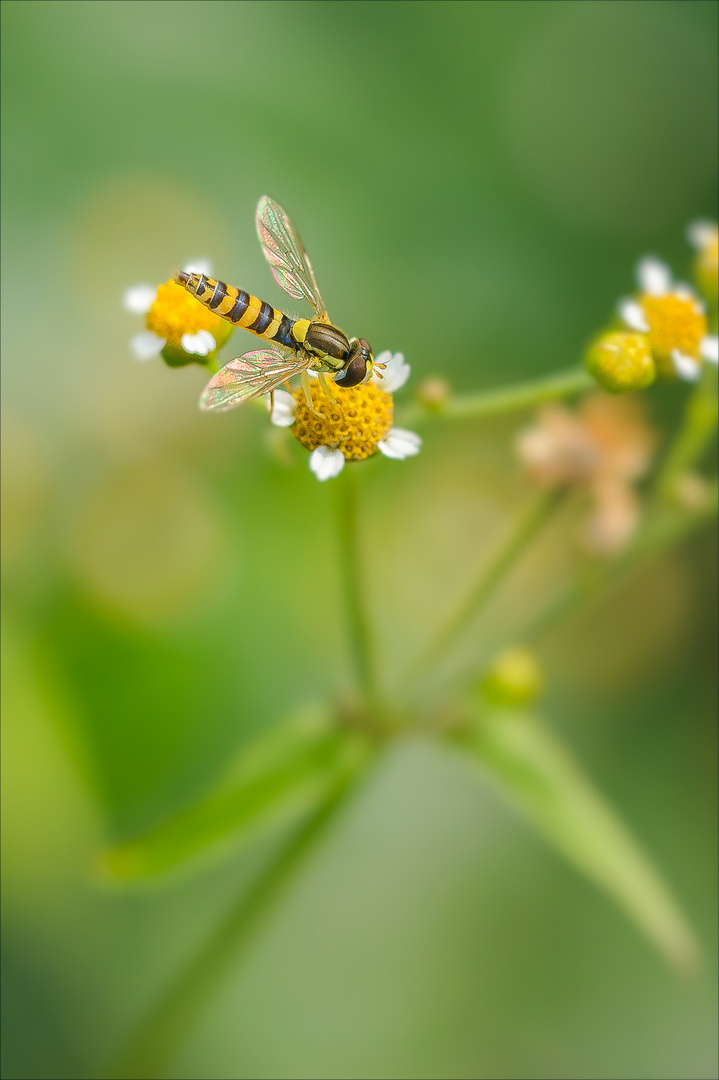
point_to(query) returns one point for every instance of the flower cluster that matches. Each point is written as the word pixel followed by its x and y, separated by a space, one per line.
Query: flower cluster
pixel 664 325
pixel 673 319
pixel 355 428
pixel 603 448
pixel 176 326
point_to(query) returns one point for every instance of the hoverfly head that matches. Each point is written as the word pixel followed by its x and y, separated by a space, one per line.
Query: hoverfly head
pixel 359 364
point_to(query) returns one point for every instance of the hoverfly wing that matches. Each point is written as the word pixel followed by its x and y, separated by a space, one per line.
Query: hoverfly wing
pixel 286 254
pixel 249 376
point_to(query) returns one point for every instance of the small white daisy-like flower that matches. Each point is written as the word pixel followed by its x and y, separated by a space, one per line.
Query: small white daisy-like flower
pixel 361 426
pixel 673 319
pixel 177 326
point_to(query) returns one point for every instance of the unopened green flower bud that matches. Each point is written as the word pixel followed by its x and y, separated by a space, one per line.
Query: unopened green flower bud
pixel 433 393
pixel 514 678
pixel 621 361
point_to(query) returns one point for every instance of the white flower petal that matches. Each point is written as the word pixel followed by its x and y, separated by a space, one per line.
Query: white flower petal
pixel 139 299
pixel 400 444
pixel 146 345
pixel 700 234
pixel 385 357
pixel 710 349
pixel 632 312
pixel 685 292
pixel 198 266
pixel 285 409
pixel 686 367
pixel 654 276
pixel 199 344
pixel 395 374
pixel 326 463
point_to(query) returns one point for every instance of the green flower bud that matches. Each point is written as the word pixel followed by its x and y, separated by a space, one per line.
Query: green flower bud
pixel 433 393
pixel 621 361
pixel 514 678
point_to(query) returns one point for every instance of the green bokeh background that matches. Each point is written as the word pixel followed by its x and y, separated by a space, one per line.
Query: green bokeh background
pixel 474 182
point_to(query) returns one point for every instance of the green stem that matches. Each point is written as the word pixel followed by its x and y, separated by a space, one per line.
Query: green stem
pixel 509 399
pixel 660 533
pixel 700 422
pixel 351 558
pixel 148 1053
pixel 490 577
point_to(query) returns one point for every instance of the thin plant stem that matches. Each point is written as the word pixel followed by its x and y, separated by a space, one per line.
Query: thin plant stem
pixel 148 1054
pixel 351 562
pixel 697 429
pixel 508 399
pixel 490 577
pixel 658 535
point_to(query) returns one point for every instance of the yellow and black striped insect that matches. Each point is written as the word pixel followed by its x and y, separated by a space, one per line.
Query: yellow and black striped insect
pixel 298 345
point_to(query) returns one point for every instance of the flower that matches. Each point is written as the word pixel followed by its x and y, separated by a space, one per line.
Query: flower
pixel 604 448
pixel 704 237
pixel 177 326
pixel 672 318
pixel 354 429
pixel 621 361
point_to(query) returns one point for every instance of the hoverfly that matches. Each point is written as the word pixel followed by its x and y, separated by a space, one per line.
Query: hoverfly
pixel 298 345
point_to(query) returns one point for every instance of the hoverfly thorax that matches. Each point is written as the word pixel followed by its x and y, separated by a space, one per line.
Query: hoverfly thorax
pixel 326 340
pixel 359 364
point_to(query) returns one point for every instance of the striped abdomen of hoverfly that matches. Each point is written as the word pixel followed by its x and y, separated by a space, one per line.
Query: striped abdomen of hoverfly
pixel 253 314
pixel 240 308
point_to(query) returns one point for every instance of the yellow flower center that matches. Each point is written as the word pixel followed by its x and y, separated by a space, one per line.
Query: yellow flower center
pixel 675 322
pixel 364 420
pixel 176 312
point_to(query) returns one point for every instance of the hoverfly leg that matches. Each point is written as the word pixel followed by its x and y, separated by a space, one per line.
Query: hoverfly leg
pixel 308 394
pixel 324 383
pixel 272 403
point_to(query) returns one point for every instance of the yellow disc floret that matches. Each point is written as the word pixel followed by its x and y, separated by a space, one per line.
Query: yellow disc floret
pixel 177 312
pixel 364 419
pixel 675 321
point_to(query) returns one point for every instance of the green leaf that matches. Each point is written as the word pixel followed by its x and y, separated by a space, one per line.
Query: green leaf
pixel 540 776
pixel 279 777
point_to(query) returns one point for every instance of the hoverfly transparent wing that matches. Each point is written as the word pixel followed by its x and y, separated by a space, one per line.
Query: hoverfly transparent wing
pixel 286 254
pixel 249 376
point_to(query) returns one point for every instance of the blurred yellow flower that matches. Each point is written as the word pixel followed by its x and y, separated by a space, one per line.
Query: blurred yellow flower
pixel 673 319
pixel 177 327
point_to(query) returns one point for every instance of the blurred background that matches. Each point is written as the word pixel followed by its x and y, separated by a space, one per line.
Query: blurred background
pixel 474 182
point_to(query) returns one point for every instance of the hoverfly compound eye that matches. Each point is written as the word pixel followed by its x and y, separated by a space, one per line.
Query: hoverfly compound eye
pixel 358 365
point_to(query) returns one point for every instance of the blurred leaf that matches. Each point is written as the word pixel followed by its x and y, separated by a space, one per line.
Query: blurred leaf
pixel 277 778
pixel 548 786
